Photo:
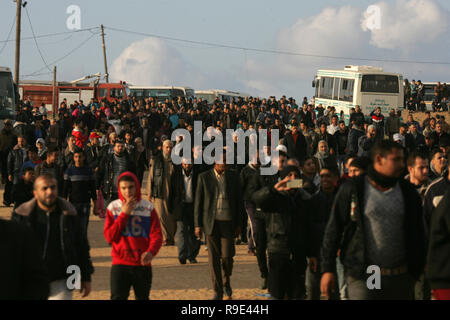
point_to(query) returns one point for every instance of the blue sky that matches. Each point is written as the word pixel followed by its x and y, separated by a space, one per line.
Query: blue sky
pixel 279 25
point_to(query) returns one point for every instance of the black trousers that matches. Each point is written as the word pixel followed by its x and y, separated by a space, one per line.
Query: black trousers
pixel 286 276
pixel 261 246
pixel 221 251
pixel 123 277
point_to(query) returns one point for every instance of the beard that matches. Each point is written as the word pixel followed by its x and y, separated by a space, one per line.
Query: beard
pixel 48 202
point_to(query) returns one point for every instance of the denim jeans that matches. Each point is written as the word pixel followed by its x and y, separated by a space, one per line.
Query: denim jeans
pixel 251 235
pixel 422 289
pixel 187 243
pixel 341 163
pixel 341 279
pixel 83 211
pixel 400 287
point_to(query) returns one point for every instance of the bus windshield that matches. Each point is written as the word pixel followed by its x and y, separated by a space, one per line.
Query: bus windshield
pixel 7 94
pixel 379 83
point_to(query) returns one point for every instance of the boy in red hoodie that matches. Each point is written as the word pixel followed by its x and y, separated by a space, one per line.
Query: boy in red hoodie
pixel 132 227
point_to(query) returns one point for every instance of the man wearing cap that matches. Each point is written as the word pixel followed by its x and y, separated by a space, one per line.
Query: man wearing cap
pixel 94 152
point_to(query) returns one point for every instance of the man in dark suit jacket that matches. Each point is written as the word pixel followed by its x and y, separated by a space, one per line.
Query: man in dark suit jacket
pixel 183 185
pixel 218 212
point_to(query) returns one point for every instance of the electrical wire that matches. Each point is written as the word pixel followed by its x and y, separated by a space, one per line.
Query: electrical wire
pixel 52 34
pixel 35 41
pixel 218 45
pixel 35 73
pixel 9 34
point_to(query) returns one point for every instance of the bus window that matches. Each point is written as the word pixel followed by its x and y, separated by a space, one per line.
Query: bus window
pixel 326 88
pixel 177 93
pixel 346 92
pixel 379 83
pixel 116 92
pixel 317 83
pixel 428 92
pixel 337 85
pixel 102 92
pixel 7 94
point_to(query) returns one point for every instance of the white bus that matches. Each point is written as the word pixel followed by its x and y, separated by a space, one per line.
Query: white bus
pixel 7 94
pixel 223 95
pixel 368 87
pixel 161 93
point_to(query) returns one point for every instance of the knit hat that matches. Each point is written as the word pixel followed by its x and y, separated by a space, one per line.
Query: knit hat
pixel 288 170
pixel 40 140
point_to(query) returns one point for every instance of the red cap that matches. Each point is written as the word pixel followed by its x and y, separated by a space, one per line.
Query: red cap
pixel 94 135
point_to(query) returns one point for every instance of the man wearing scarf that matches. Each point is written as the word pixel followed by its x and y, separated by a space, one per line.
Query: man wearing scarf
pixel 379 219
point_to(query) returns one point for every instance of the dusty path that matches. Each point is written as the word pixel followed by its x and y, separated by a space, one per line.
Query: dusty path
pixel 171 281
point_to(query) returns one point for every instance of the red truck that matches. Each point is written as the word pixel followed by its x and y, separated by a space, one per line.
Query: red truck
pixel 42 91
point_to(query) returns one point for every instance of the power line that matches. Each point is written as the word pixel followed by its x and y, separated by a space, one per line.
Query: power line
pixel 52 34
pixel 35 41
pixel 35 73
pixel 9 34
pixel 218 45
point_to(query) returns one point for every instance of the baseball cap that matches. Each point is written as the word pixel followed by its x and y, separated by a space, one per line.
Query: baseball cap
pixel 94 135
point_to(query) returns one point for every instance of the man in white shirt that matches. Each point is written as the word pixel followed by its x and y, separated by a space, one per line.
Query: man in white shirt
pixel 334 126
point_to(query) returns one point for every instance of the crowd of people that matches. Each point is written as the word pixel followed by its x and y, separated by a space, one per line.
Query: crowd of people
pixel 372 190
pixel 415 96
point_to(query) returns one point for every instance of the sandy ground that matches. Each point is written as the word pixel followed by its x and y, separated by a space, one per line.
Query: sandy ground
pixel 171 281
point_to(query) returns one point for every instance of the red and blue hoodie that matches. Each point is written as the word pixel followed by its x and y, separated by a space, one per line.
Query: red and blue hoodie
pixel 132 235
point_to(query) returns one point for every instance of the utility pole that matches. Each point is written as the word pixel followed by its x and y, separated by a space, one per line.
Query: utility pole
pixel 54 93
pixel 104 54
pixel 18 27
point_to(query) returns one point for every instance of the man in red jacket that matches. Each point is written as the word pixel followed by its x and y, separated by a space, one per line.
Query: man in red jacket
pixel 132 227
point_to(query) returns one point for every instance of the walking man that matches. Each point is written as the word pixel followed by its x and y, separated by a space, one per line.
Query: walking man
pixel 218 213
pixel 57 230
pixel 182 189
pixel 379 216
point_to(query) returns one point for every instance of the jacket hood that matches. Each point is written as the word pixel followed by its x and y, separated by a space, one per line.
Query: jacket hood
pixel 136 181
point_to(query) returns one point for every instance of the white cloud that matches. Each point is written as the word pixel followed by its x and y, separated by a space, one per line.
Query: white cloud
pixel 414 30
pixel 152 62
pixel 408 24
